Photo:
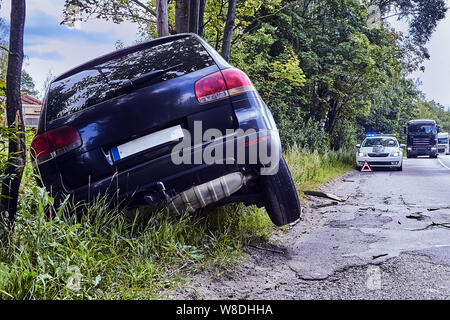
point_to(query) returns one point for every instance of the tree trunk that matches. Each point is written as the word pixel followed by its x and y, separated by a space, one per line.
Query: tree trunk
pixel 162 18
pixel 332 116
pixel 181 16
pixel 16 148
pixel 228 31
pixel 201 16
pixel 194 10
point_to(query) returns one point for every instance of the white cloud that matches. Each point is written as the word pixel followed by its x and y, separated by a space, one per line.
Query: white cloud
pixel 72 53
pixel 436 78
pixel 79 48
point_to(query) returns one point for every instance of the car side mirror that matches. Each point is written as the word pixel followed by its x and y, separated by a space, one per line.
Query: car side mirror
pixel 405 130
pixel 358 146
pixel 403 146
pixel 438 129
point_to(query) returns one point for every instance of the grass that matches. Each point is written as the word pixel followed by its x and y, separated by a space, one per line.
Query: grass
pixel 110 255
pixel 311 169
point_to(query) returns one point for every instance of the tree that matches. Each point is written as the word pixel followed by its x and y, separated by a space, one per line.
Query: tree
pixel 27 84
pixel 188 13
pixel 162 18
pixel 3 48
pixel 145 14
pixel 228 31
pixel 16 148
pixel 355 77
pixel 435 111
pixel 207 19
pixel 422 15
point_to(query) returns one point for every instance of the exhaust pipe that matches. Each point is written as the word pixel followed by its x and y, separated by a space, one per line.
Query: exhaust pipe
pixel 210 192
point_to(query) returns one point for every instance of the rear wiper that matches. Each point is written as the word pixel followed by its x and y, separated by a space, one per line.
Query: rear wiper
pixel 147 77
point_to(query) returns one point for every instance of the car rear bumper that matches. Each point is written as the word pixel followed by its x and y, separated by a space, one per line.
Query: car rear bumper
pixel 163 178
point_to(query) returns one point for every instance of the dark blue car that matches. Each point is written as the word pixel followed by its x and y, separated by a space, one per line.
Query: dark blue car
pixel 165 121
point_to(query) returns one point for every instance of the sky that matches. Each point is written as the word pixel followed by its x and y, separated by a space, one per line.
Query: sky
pixel 436 78
pixel 55 48
pixel 51 47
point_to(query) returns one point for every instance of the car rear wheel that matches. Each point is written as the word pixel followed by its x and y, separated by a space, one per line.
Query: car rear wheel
pixel 281 198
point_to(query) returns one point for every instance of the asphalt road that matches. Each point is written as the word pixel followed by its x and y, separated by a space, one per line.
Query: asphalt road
pixel 445 161
pixel 389 240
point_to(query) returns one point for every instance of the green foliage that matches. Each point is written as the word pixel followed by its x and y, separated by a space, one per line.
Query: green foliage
pixel 351 79
pixel 310 169
pixel 434 111
pixel 27 85
pixel 277 78
pixel 247 12
pixel 422 15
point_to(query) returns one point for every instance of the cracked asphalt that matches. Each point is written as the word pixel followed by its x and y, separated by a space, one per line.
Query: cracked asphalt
pixel 389 240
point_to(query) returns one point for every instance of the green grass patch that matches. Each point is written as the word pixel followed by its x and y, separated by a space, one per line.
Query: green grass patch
pixel 311 169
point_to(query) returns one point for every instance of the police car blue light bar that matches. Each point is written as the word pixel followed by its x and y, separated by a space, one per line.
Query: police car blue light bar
pixel 380 135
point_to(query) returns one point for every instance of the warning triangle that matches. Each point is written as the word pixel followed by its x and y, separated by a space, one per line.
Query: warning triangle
pixel 366 167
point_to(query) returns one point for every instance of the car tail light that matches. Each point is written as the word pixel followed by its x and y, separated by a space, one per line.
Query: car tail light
pixel 55 142
pixel 222 84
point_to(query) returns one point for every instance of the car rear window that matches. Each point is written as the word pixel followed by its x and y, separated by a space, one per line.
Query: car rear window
pixel 104 81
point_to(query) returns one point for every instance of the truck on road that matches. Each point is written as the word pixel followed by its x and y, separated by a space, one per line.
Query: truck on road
pixel 422 138
pixel 443 143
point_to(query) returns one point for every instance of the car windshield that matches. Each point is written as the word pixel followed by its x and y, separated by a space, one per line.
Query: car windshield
pixel 443 141
pixel 384 142
pixel 422 128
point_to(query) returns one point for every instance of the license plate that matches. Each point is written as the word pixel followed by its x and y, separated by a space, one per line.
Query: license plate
pixel 147 142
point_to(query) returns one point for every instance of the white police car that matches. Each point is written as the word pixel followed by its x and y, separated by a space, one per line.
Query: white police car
pixel 380 150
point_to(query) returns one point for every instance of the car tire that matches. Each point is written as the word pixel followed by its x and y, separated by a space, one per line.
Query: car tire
pixel 400 168
pixel 434 157
pixel 281 199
